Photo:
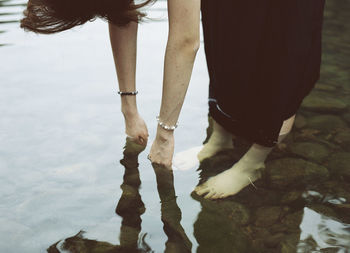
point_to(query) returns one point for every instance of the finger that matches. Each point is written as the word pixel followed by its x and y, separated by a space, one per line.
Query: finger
pixel 141 140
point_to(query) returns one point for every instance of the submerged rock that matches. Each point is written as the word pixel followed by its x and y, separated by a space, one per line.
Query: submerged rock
pixel 233 211
pixel 322 209
pixel 267 216
pixel 343 139
pixel 291 197
pixel 310 150
pixel 214 233
pixel 293 220
pixel 294 172
pixel 274 240
pixel 330 250
pixel 339 164
pixel 325 87
pixel 346 117
pixel 300 121
pixel 290 244
pixel 326 123
pixel 323 102
pixel 307 245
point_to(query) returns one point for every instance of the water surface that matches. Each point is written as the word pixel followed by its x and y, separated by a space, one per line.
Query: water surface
pixel 71 182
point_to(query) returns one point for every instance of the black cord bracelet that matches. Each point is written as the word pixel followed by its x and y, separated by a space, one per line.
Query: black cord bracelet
pixel 131 93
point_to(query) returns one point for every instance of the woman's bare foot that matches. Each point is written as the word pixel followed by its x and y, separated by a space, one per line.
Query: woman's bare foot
pixel 219 140
pixel 233 180
pixel 230 181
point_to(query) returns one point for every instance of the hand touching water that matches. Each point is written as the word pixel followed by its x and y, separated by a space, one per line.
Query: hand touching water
pixel 136 129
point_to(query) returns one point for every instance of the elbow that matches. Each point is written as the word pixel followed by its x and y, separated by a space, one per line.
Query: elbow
pixel 187 45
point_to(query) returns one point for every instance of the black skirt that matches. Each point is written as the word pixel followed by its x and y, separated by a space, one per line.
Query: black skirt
pixel 263 58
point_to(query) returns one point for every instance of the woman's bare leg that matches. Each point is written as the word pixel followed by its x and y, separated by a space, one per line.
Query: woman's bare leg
pixel 220 139
pixel 244 172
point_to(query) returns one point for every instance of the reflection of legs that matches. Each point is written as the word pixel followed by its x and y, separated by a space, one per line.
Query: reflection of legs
pixel 130 206
pixel 220 139
pixel 171 213
pixel 244 172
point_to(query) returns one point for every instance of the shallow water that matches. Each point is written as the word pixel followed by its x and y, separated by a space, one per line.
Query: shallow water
pixel 69 185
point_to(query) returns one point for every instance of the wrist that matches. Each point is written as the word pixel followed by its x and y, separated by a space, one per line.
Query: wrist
pixel 164 135
pixel 129 111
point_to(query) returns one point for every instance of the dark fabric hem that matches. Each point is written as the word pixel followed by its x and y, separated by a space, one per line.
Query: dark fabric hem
pixel 245 130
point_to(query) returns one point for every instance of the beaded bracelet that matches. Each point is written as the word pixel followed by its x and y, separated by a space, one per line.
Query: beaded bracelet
pixel 131 93
pixel 166 127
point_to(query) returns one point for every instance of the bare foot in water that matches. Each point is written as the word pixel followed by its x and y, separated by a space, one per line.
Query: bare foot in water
pixel 219 140
pixel 230 181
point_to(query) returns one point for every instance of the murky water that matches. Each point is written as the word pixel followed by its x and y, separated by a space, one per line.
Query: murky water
pixel 71 182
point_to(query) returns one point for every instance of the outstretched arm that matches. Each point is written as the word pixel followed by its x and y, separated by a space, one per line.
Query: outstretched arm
pixel 124 45
pixel 182 46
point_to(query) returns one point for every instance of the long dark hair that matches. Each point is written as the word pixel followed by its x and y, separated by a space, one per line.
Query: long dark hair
pixel 52 16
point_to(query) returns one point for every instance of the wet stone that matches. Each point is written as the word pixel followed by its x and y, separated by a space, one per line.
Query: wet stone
pixel 346 117
pixel 326 123
pixel 300 121
pixel 289 245
pixel 235 211
pixel 343 139
pixel 325 87
pixel 307 245
pixel 330 250
pixel 310 150
pixel 291 197
pixel 274 240
pixel 292 221
pixel 323 102
pixel 267 216
pixel 215 233
pixel 339 164
pixel 278 228
pixel 294 172
pixel 322 209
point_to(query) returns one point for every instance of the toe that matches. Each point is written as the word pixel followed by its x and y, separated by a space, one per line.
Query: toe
pixel 221 196
pixel 210 194
pixel 225 195
pixel 202 190
pixel 216 196
pixel 200 187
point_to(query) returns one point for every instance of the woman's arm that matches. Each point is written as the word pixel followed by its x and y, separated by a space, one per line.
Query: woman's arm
pixel 182 46
pixel 124 45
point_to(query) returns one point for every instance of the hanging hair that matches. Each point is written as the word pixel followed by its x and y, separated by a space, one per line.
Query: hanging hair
pixel 53 16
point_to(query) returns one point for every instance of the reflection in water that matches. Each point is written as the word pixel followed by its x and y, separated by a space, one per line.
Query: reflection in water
pixel 130 207
pixel 171 213
pixel 4 15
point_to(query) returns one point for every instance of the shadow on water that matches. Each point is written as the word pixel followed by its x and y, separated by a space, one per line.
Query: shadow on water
pixel 130 207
